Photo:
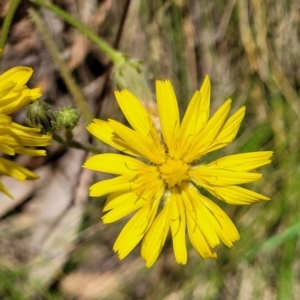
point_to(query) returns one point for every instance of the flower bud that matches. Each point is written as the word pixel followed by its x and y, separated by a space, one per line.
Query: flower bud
pixel 129 74
pixel 39 114
pixel 67 118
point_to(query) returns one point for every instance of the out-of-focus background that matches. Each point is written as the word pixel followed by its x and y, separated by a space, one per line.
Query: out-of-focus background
pixel 53 244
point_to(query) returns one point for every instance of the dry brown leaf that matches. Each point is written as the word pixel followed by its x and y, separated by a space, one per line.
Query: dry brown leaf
pixel 58 217
pixel 21 190
pixel 90 286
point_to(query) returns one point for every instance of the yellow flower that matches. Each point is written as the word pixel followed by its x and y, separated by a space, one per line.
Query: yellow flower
pixel 15 138
pixel 164 191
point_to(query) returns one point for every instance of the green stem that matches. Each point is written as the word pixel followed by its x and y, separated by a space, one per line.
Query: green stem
pixel 115 56
pixel 7 22
pixel 74 144
pixel 61 65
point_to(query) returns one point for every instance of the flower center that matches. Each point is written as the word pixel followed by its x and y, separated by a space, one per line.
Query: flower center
pixel 174 172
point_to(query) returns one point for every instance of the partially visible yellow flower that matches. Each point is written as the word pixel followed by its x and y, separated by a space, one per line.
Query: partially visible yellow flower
pixel 15 138
pixel 164 192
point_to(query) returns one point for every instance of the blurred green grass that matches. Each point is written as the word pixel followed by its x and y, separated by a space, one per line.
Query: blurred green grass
pixel 250 50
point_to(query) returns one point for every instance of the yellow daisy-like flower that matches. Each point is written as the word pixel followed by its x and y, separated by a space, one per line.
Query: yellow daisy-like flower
pixel 164 191
pixel 15 138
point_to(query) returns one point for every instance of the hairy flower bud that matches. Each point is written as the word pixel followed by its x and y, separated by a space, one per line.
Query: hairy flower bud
pixel 39 114
pixel 67 117
pixel 130 75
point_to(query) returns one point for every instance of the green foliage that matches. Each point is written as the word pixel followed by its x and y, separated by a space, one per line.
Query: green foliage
pixel 11 284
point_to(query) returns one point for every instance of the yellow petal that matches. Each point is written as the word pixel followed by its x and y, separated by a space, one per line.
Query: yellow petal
pixel 6 88
pixel 5 120
pixel 4 190
pixel 221 177
pixel 178 228
pixel 5 148
pixel 110 185
pixel 116 164
pixel 101 130
pixel 229 131
pixel 134 230
pixel 29 151
pixel 141 144
pixel 168 114
pixel 20 75
pixel 26 129
pixel 203 140
pixel 15 100
pixel 196 116
pixel 137 115
pixel 35 93
pixel 131 204
pixel 223 226
pixel 236 195
pixel 12 169
pixel 213 219
pixel 198 240
pixel 116 199
pixel 31 139
pixel 200 216
pixel 156 237
pixel 147 192
pixel 243 162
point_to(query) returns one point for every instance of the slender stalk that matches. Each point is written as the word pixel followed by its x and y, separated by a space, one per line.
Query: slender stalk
pixel 115 56
pixel 61 65
pixel 74 144
pixel 7 22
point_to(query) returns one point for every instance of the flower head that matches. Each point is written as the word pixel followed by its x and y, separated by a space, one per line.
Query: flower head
pixel 15 138
pixel 163 190
pixel 68 117
pixel 39 114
